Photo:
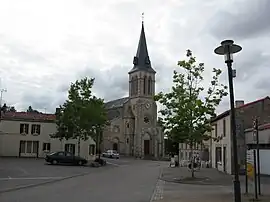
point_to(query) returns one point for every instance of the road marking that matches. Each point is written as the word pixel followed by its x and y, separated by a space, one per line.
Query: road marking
pixel 113 164
pixel 30 178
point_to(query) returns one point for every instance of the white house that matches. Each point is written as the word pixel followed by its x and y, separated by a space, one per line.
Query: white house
pixel 24 134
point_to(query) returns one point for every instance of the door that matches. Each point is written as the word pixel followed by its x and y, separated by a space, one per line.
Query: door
pixel 224 159
pixel 70 148
pixel 115 146
pixel 28 148
pixel 146 147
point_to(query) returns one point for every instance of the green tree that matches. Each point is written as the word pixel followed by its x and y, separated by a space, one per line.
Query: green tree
pixel 83 115
pixel 31 110
pixel 188 107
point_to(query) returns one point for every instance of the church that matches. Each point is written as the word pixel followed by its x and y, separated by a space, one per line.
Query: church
pixel 133 129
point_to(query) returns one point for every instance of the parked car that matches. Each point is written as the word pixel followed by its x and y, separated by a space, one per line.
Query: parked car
pixel 63 157
pixel 111 154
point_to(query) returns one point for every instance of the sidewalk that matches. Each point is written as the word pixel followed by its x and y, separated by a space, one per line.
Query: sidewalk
pixel 205 176
pixel 210 186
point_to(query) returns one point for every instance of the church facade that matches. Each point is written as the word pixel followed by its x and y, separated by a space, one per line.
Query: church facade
pixel 133 129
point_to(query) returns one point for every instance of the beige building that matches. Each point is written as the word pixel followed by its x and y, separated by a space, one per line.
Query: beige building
pixel 133 130
pixel 221 151
pixel 25 134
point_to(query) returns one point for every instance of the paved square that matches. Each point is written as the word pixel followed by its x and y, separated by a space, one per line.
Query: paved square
pixel 17 172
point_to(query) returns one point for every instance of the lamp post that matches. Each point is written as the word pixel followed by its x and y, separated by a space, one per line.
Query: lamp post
pixel 228 48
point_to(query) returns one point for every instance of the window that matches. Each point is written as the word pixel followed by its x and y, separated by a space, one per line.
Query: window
pixel 29 147
pixel 224 127
pixel 35 147
pixel 70 148
pixel 60 154
pixel 68 154
pixel 216 130
pixel 91 149
pixel 127 125
pixel 127 140
pixel 218 154
pixel 146 119
pixel 144 85
pixel 46 147
pixel 149 85
pixel 35 130
pixel 136 85
pixel 116 129
pixel 132 86
pixel 24 128
pixel 22 146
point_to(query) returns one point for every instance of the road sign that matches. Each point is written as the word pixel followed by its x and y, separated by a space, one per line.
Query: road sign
pixel 250 164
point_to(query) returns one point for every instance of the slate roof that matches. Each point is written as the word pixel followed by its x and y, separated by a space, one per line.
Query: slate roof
pixel 28 116
pixel 116 103
pixel 226 113
pixel 141 60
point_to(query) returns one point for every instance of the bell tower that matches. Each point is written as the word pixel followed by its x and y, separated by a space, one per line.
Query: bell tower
pixel 142 75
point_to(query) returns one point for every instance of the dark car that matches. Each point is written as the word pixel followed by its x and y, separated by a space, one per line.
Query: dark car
pixel 62 157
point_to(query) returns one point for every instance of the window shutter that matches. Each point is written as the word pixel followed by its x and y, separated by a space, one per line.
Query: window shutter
pixel 21 128
pixel 66 147
pixel 49 146
pixel 26 128
pixel 38 129
pixel 33 129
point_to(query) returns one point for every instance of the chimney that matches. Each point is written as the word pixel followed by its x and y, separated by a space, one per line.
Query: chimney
pixel 57 110
pixel 239 103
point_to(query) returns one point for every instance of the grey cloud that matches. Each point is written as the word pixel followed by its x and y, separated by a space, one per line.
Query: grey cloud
pixel 250 65
pixel 263 84
pixel 42 102
pixel 20 52
pixel 251 21
pixel 110 84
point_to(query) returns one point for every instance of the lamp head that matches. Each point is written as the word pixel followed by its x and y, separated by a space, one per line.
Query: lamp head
pixel 228 48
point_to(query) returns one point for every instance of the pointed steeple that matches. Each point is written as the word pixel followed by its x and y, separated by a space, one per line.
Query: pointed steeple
pixel 142 61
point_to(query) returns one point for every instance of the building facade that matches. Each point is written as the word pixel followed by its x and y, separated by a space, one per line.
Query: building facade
pixel 134 130
pixel 24 134
pixel 264 145
pixel 221 151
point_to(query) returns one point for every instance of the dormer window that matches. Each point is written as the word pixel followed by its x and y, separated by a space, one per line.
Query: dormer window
pixel 147 60
pixel 135 60
pixel 24 128
pixel 35 130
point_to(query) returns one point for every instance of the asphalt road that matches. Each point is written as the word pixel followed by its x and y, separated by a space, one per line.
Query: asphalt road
pixel 123 181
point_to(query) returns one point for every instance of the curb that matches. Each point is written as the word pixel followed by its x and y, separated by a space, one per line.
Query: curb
pixel 158 180
pixel 193 183
pixel 42 183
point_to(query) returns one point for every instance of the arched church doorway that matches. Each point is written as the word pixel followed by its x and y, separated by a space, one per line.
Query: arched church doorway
pixel 115 146
pixel 146 147
pixel 146 144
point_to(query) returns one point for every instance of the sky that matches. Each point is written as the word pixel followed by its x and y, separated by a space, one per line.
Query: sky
pixel 47 44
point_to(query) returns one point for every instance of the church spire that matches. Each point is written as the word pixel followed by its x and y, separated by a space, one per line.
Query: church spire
pixel 141 60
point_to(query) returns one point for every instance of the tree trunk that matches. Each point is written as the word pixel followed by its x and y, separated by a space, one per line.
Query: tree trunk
pixel 98 143
pixel 79 146
pixel 192 161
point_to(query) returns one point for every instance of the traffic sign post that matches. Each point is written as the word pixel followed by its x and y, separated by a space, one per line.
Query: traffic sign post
pixel 256 139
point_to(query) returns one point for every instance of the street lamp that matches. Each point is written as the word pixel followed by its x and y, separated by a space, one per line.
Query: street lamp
pixel 228 48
